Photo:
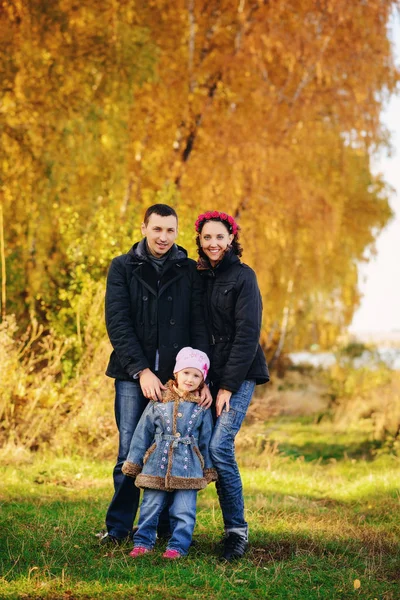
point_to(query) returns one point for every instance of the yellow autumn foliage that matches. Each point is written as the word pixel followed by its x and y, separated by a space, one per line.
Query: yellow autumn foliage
pixel 267 110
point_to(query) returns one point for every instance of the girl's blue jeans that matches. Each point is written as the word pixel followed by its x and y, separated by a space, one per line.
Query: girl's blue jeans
pixel 129 405
pixel 182 517
pixel 222 450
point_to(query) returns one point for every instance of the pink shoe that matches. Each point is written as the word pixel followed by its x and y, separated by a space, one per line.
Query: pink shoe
pixel 171 554
pixel 138 550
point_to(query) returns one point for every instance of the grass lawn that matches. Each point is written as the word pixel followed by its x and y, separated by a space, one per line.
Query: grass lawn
pixel 324 517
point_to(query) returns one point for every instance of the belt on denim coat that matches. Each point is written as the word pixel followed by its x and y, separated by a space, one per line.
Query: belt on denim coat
pixel 187 440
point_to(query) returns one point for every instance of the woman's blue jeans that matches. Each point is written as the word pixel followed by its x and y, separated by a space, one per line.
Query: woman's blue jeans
pixel 182 516
pixel 222 450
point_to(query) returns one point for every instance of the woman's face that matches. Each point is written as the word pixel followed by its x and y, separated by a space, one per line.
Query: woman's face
pixel 214 240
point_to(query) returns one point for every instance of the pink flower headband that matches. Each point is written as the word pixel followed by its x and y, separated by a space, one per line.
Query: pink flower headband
pixel 207 216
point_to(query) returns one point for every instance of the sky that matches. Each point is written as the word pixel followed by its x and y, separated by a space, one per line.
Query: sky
pixel 380 278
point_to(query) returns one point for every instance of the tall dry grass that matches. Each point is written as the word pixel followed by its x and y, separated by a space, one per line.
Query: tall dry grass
pixel 377 403
pixel 43 408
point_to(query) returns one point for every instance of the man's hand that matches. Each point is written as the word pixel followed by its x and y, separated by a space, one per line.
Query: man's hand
pixel 151 386
pixel 206 398
pixel 223 398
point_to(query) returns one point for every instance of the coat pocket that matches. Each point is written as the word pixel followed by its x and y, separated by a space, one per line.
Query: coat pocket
pixel 225 297
pixel 201 459
pixel 149 452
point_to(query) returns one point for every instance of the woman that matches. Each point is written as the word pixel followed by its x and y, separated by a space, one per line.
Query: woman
pixel 233 315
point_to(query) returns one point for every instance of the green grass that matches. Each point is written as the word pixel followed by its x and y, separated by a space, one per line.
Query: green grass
pixel 302 438
pixel 322 514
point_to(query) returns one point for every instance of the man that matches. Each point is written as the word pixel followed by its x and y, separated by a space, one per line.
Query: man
pixel 153 309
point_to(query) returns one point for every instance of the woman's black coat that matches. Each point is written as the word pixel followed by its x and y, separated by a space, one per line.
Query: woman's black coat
pixel 233 315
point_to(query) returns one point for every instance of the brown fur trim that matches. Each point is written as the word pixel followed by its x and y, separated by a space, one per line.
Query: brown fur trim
pixel 210 475
pixel 170 395
pixel 174 418
pixel 170 483
pixel 148 453
pixel 185 483
pixel 201 459
pixel 131 469
pixel 150 481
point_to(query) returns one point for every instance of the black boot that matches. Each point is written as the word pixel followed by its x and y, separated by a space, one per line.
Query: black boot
pixel 235 546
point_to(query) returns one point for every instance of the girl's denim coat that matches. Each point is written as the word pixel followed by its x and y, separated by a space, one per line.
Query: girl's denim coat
pixel 169 449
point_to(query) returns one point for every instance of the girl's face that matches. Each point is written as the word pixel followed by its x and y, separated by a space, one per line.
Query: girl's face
pixel 189 379
pixel 214 240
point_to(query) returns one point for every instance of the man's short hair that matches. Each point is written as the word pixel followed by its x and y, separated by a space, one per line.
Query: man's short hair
pixel 163 210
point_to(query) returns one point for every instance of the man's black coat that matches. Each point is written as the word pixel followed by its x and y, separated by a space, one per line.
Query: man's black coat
pixel 146 313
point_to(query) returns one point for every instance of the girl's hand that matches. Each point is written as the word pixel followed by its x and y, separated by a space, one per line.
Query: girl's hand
pixel 223 398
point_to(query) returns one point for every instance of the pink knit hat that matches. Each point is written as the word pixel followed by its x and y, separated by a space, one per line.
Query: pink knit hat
pixel 190 357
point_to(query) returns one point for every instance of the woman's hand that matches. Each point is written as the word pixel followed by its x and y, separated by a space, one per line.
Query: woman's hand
pixel 205 396
pixel 223 398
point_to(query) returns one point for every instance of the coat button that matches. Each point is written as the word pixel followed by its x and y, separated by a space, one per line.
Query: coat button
pixel 176 345
pixel 172 322
pixel 144 298
pixel 180 415
pixel 169 298
pixel 178 434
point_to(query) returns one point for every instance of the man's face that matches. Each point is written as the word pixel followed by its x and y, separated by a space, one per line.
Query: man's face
pixel 160 233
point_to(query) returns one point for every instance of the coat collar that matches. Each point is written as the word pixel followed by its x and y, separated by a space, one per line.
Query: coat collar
pixel 229 259
pixel 171 395
pixel 138 253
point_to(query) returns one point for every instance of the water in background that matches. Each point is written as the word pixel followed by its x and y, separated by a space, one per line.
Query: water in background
pixel 389 356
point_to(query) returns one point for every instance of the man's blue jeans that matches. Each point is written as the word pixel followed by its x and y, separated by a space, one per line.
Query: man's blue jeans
pixel 182 516
pixel 222 450
pixel 129 406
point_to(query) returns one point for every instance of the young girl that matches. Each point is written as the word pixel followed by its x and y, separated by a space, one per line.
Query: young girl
pixel 169 456
pixel 233 315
